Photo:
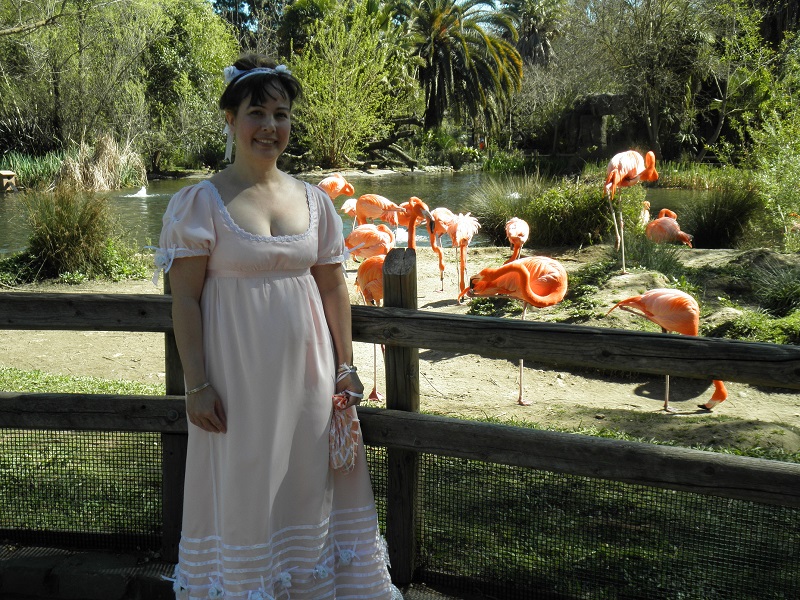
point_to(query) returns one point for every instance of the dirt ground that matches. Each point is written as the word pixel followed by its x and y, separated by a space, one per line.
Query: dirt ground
pixel 470 386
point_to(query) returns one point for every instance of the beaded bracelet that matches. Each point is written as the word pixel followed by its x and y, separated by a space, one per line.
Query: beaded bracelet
pixel 202 386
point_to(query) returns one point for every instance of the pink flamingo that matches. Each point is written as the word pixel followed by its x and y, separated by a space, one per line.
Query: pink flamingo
pixel 369 240
pixel 672 310
pixel 336 185
pixel 369 281
pixel 624 170
pixel 375 207
pixel 466 227
pixel 535 280
pixel 666 230
pixel 517 232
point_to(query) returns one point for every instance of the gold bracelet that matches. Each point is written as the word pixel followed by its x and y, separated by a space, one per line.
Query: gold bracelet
pixel 202 386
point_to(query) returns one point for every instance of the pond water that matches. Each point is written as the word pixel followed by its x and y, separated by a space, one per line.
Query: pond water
pixel 140 215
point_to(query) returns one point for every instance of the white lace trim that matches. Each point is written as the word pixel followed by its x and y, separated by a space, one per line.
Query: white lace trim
pixel 233 226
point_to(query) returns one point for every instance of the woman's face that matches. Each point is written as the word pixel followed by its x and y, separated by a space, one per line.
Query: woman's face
pixel 262 130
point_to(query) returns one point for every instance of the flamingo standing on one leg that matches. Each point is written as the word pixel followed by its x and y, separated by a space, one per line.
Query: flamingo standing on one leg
pixel 666 230
pixel 369 281
pixel 672 310
pixel 535 280
pixel 624 170
pixel 517 232
pixel 465 228
pixel 369 240
pixel 374 207
pixel 336 185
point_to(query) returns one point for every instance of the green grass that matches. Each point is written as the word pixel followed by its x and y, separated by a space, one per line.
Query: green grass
pixel 78 481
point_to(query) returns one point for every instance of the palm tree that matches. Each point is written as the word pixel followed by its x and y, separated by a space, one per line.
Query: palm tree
pixel 467 68
pixel 538 24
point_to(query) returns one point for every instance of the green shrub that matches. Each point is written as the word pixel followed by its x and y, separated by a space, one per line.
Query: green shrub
pixel 758 326
pixel 504 162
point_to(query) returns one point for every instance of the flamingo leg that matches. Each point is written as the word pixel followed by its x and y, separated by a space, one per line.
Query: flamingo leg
pixel 520 400
pixel 614 220
pixel 622 240
pixel 667 407
pixel 375 395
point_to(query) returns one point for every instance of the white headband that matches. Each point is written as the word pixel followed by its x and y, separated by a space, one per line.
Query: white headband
pixel 231 73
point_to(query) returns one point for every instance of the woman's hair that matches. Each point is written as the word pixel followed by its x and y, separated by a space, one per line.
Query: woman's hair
pixel 259 86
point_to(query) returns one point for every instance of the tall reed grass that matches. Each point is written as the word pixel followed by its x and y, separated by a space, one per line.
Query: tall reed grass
pixel 104 166
pixel 33 172
pixel 721 218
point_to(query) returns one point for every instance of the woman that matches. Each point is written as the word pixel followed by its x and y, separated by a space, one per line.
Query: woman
pixel 261 314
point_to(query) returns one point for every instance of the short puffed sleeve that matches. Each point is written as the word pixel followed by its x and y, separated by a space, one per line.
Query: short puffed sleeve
pixel 331 248
pixel 187 227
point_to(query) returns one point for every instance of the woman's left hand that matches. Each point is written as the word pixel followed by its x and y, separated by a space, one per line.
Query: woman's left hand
pixel 351 383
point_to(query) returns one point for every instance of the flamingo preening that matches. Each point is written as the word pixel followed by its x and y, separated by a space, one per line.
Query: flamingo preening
pixel 369 281
pixel 517 232
pixel 336 185
pixel 369 240
pixel 666 230
pixel 624 170
pixel 537 281
pixel 672 310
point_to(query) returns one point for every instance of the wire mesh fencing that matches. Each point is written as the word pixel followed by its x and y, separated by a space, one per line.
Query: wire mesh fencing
pixel 484 530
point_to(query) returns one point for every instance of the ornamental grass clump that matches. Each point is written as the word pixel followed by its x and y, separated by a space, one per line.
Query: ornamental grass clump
pixel 777 288
pixel 721 219
pixel 69 233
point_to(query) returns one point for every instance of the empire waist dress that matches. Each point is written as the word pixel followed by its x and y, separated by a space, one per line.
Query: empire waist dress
pixel 264 515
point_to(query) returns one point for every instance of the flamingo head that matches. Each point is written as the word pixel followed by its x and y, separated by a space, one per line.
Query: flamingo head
pixel 649 173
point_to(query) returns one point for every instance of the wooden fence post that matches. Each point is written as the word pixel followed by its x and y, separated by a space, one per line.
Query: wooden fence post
pixel 173 454
pixel 402 393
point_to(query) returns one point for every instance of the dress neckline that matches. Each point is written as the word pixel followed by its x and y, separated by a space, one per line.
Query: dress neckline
pixel 236 228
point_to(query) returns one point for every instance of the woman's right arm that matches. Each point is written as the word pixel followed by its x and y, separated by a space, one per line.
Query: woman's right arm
pixel 204 407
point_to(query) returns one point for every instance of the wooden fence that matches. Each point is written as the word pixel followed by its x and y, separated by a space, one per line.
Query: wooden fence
pixel 400 428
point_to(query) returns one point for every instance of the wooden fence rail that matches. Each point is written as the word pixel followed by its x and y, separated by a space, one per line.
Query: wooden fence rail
pixel 400 428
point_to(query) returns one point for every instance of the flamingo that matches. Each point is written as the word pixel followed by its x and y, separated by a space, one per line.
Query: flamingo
pixel 665 212
pixel 624 170
pixel 644 215
pixel 372 206
pixel 672 310
pixel 444 222
pixel 667 230
pixel 369 240
pixel 349 208
pixel 336 185
pixel 535 280
pixel 369 281
pixel 517 232
pixel 466 226
pixel 416 211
